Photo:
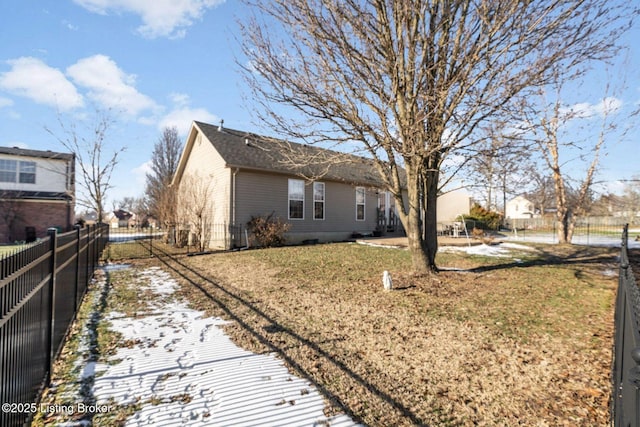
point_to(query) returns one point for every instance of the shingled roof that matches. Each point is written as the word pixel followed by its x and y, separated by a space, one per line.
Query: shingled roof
pixel 15 151
pixel 247 150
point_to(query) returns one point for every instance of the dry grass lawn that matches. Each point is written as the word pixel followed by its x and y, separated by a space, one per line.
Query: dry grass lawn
pixel 507 341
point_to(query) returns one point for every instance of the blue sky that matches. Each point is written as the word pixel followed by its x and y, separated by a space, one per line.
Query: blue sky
pixel 151 63
pixel 158 63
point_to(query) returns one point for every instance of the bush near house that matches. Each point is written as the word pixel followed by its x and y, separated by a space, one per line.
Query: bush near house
pixel 484 218
pixel 268 230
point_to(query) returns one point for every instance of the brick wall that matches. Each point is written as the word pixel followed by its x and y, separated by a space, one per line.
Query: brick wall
pixel 16 215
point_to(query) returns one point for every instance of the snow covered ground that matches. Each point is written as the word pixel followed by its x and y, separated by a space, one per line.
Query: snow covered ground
pixel 580 239
pixel 183 370
pixel 506 249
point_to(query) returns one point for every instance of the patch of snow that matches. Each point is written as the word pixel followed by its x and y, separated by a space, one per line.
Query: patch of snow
pixel 518 247
pixel 484 250
pixel 379 245
pixel 115 267
pixel 580 239
pixel 186 371
pixel 501 250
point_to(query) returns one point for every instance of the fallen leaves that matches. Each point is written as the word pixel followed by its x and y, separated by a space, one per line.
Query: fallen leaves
pixel 511 346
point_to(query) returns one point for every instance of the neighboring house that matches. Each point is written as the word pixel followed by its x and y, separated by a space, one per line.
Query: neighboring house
pixel 121 218
pixel 241 175
pixel 452 205
pixel 37 191
pixel 520 208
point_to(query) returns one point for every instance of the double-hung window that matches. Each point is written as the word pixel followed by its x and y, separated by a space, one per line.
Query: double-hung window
pixel 28 172
pixel 318 200
pixel 8 170
pixel 360 203
pixel 15 171
pixel 296 199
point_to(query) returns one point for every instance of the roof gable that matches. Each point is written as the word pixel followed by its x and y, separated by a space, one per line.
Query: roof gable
pixel 250 151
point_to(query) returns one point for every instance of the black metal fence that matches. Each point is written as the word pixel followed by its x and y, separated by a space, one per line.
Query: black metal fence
pixel 220 236
pixel 626 357
pixel 41 288
pixel 132 243
pixel 588 230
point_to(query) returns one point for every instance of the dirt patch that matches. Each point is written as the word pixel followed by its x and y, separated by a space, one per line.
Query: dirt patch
pixel 522 341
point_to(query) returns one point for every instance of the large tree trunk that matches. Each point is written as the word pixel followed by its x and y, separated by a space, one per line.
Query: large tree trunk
pixel 430 197
pixel 418 217
pixel 562 223
pixel 421 261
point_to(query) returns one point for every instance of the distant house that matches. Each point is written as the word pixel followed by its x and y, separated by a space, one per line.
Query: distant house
pixel 520 208
pixel 121 218
pixel 452 205
pixel 248 175
pixel 37 191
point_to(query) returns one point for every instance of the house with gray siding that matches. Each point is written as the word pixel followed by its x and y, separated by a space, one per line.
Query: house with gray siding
pixel 322 194
pixel 248 175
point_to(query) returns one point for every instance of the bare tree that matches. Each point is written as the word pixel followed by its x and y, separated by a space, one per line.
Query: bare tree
pixel 193 208
pixel 94 164
pixel 410 81
pixel 631 197
pixel 541 188
pixel 552 124
pixel 496 165
pixel 127 203
pixel 626 204
pixel 134 205
pixel 161 198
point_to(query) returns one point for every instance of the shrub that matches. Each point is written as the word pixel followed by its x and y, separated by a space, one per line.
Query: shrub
pixel 491 219
pixel 268 230
pixel 479 234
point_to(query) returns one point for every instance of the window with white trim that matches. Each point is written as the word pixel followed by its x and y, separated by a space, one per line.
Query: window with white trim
pixel 296 199
pixel 8 170
pixel 15 171
pixel 27 172
pixel 318 200
pixel 360 203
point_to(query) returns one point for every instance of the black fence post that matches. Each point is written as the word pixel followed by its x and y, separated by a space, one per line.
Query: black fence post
pixel 87 250
pixel 78 247
pixel 53 240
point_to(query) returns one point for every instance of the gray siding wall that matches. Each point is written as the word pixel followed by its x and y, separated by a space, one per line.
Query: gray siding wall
pixel 262 193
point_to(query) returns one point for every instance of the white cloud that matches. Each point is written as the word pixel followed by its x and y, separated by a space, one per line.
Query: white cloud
pixel 611 187
pixel 109 85
pixel 5 102
pixel 69 25
pixel 140 173
pixel 585 110
pixel 161 18
pixel 179 99
pixel 32 78
pixel 181 118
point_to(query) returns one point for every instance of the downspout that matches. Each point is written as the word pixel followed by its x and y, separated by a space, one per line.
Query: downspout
pixel 233 198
